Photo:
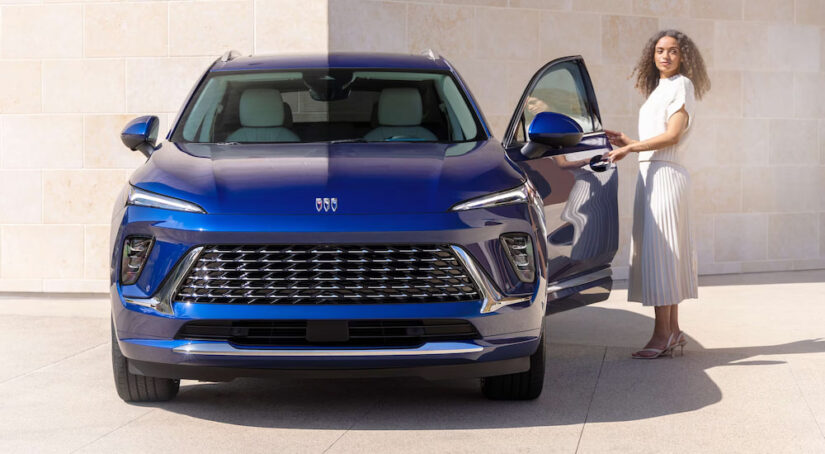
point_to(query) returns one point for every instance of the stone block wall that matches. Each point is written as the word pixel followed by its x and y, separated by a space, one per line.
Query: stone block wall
pixel 73 73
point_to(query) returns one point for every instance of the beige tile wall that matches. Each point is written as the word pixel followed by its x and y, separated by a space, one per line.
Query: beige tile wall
pixel 73 72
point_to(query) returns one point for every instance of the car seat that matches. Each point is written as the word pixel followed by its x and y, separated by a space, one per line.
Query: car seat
pixel 261 112
pixel 399 115
pixel 288 121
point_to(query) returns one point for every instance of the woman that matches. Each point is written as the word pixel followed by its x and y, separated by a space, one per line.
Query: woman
pixel 671 73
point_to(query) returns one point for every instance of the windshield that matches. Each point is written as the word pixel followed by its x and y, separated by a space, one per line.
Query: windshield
pixel 328 105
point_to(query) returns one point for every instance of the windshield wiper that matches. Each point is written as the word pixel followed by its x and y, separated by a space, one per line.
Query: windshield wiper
pixel 228 143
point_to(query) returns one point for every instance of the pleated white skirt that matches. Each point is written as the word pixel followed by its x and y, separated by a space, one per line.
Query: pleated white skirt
pixel 663 267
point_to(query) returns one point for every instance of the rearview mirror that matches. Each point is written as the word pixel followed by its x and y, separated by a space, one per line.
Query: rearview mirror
pixel 551 130
pixel 141 134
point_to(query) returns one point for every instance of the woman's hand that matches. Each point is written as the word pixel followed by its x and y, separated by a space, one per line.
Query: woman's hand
pixel 617 154
pixel 617 138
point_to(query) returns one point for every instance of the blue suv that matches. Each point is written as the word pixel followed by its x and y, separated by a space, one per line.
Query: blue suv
pixel 352 215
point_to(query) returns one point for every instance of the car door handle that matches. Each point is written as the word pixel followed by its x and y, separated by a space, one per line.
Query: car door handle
pixel 599 164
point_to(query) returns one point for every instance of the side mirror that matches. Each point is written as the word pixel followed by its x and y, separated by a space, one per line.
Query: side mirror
pixel 550 130
pixel 141 134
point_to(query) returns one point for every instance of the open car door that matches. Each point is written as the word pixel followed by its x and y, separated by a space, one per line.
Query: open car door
pixel 579 192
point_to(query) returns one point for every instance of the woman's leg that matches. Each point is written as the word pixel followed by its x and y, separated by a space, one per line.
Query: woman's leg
pixel 661 328
pixel 661 331
pixel 674 320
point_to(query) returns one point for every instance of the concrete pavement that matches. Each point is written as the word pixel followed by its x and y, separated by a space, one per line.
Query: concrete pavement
pixel 752 380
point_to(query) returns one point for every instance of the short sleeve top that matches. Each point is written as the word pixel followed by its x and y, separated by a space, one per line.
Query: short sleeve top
pixel 668 98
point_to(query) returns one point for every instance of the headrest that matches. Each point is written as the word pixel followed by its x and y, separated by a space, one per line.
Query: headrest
pixel 261 107
pixel 399 107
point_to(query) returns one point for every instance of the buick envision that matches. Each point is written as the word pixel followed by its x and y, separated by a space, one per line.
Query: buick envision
pixel 352 215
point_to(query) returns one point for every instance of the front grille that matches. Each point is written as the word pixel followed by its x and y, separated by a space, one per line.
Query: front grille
pixel 361 333
pixel 327 274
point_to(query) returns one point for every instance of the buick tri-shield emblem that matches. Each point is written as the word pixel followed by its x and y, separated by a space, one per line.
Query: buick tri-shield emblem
pixel 326 204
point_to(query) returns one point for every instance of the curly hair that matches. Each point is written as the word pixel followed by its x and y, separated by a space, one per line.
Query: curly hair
pixel 692 65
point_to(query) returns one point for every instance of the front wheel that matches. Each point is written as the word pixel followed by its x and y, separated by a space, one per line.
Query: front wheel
pixel 139 388
pixel 525 385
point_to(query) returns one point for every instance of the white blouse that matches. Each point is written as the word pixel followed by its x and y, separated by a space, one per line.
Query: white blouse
pixel 669 96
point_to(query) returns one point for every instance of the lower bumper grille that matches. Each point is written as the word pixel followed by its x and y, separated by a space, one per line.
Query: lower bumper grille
pixel 327 274
pixel 356 333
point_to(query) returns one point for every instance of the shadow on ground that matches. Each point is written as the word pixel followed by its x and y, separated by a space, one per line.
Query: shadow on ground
pixel 627 390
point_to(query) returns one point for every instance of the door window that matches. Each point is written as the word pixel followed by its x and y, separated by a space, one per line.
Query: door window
pixel 561 89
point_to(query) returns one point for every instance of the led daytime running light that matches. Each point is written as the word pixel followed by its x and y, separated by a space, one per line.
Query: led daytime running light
pixel 508 197
pixel 139 197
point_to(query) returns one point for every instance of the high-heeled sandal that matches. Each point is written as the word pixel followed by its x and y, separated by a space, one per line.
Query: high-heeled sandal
pixel 681 341
pixel 657 352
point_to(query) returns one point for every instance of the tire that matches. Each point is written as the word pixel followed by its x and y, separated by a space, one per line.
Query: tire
pixel 520 386
pixel 139 388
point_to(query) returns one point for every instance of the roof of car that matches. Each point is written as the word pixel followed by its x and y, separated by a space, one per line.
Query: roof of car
pixel 332 60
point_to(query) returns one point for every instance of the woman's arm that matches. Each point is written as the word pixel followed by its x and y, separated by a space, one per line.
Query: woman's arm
pixel 676 126
pixel 618 139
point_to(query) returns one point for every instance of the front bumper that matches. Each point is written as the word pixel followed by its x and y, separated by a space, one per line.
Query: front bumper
pixel 511 332
pixel 439 372
pixel 508 318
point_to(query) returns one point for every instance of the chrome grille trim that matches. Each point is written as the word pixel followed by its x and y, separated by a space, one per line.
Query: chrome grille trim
pixel 361 333
pixel 327 274
pixel 163 298
pixel 430 348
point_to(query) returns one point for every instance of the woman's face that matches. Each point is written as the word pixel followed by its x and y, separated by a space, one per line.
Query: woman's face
pixel 535 105
pixel 667 56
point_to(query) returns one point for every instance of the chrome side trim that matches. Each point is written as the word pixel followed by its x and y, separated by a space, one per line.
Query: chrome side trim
pixel 580 280
pixel 162 299
pixel 225 349
pixel 492 300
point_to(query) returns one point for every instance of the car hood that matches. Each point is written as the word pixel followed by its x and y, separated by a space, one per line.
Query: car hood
pixel 364 178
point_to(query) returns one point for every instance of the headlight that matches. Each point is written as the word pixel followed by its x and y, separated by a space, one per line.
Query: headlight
pixel 139 197
pixel 513 196
pixel 135 252
pixel 519 249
